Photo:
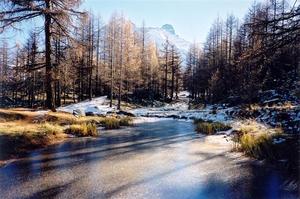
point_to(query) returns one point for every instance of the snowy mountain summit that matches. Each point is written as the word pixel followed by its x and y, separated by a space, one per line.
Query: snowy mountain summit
pixel 167 31
pixel 169 28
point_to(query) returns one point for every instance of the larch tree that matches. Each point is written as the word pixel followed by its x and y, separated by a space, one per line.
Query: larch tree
pixel 165 65
pixel 4 70
pixel 53 12
pixel 175 70
pixel 112 49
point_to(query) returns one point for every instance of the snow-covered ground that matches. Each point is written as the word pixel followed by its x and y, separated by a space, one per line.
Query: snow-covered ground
pixel 97 106
pixel 139 120
pixel 180 110
pixel 181 113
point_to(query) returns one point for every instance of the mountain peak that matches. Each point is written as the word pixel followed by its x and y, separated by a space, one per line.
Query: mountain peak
pixel 169 28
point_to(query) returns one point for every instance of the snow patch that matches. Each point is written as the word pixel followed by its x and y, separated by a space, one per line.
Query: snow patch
pixel 278 141
pixel 159 36
pixel 140 120
pixel 97 106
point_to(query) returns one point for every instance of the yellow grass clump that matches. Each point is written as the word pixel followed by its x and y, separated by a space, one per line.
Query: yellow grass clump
pixel 209 128
pixel 82 130
pixel 256 140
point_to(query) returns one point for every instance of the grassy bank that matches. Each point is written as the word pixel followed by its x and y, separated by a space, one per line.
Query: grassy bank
pixel 25 129
pixel 256 140
pixel 270 144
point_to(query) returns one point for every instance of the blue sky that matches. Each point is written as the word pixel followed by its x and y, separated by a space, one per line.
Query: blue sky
pixel 190 18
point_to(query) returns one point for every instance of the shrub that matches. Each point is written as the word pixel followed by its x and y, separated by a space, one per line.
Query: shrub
pixel 82 130
pixel 210 128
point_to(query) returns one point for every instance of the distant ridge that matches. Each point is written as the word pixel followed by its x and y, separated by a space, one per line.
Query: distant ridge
pixel 160 35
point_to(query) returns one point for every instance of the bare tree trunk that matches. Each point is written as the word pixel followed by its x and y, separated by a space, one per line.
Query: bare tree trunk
pixel 91 45
pixel 49 70
pixel 166 77
pixel 173 75
pixel 111 75
pixel 73 94
pixel 177 84
pixel 121 66
pixel 120 87
pixel 97 60
pixel 58 95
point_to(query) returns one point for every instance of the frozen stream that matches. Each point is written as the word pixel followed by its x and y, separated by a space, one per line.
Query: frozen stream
pixel 158 159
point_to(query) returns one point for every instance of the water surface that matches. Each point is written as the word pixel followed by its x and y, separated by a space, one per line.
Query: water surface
pixel 162 159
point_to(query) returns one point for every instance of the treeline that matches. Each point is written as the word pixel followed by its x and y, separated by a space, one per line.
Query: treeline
pixel 71 63
pixel 74 56
pixel 241 59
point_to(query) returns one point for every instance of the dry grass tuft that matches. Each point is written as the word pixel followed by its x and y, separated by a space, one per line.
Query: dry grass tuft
pixel 111 123
pixel 126 121
pixel 257 146
pixel 209 128
pixel 53 129
pixel 116 123
pixel 256 140
pixel 82 130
